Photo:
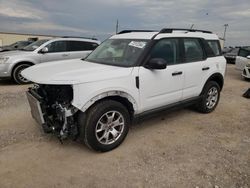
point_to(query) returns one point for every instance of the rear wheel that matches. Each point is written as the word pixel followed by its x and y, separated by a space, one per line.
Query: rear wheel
pixel 17 76
pixel 210 97
pixel 107 124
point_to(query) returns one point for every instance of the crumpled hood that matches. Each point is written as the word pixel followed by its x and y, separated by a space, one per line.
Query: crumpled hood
pixel 73 72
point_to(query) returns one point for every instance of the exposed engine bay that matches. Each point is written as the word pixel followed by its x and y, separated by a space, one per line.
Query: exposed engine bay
pixel 51 107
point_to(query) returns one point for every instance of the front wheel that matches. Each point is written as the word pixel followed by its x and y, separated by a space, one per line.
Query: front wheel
pixel 210 97
pixel 17 76
pixel 106 126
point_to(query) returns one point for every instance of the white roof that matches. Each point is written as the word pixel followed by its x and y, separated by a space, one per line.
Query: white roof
pixel 207 36
pixel 149 35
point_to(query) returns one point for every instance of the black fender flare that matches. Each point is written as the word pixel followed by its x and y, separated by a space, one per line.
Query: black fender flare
pixel 216 77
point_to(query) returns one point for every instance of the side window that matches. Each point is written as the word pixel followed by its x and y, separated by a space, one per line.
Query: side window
pixel 57 46
pixel 193 50
pixel 244 52
pixel 167 49
pixel 90 46
pixel 215 46
pixel 81 46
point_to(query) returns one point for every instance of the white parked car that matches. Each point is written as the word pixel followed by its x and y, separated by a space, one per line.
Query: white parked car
pixel 42 51
pixel 130 75
pixel 242 62
pixel 243 58
pixel 246 71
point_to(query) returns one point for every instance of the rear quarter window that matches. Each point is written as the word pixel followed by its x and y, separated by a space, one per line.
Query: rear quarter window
pixel 214 45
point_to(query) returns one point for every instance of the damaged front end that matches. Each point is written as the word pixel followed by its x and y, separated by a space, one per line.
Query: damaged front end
pixel 51 107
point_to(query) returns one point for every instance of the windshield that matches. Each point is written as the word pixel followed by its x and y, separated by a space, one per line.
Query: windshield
pixel 22 44
pixel 118 52
pixel 35 45
pixel 14 44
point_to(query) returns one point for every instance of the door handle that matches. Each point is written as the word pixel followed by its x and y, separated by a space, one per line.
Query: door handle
pixel 205 68
pixel 176 73
pixel 65 55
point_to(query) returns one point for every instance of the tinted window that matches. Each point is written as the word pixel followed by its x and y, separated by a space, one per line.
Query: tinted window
pixel 90 46
pixel 23 44
pixel 167 49
pixel 244 52
pixel 215 46
pixel 57 46
pixel 193 50
pixel 81 46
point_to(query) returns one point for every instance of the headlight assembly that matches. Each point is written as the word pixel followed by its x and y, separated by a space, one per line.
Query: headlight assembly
pixel 3 59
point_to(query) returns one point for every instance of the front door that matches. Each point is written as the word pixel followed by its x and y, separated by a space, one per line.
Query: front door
pixel 57 50
pixel 159 88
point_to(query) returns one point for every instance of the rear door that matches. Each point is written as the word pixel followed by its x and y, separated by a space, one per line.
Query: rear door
pixel 195 67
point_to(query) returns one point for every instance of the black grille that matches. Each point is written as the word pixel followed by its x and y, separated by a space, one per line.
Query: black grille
pixel 56 93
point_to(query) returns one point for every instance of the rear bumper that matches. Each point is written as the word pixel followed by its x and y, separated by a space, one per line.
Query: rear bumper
pixel 230 60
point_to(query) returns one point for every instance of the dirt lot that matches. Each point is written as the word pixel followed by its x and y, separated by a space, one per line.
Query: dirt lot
pixel 178 149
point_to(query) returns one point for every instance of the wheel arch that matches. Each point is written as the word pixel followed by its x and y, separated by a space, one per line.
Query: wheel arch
pixel 124 98
pixel 20 63
pixel 216 77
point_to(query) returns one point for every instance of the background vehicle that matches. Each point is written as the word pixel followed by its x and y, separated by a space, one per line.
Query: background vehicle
pixel 16 46
pixel 132 74
pixel 231 54
pixel 41 51
pixel 246 71
pixel 242 58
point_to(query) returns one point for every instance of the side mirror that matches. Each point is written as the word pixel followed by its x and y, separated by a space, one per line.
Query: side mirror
pixel 156 63
pixel 16 46
pixel 248 57
pixel 44 50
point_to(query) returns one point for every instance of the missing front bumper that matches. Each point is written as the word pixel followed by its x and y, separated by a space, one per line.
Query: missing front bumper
pixel 55 118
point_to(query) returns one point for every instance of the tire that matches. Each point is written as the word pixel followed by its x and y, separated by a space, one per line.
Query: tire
pixel 106 125
pixel 16 75
pixel 247 79
pixel 211 92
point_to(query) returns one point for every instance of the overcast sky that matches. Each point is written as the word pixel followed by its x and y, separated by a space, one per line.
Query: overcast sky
pixel 98 17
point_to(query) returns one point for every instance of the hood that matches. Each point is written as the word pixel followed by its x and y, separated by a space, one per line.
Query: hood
pixel 73 72
pixel 14 53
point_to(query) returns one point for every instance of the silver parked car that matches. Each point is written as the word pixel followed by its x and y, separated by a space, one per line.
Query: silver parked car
pixel 41 51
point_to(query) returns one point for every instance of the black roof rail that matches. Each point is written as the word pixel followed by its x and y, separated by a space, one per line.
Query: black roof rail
pixel 170 30
pixel 79 37
pixel 130 31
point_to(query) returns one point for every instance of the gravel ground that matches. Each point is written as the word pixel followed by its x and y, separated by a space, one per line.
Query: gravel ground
pixel 178 149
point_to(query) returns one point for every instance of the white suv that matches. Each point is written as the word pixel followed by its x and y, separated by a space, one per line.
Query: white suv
pixel 132 74
pixel 12 63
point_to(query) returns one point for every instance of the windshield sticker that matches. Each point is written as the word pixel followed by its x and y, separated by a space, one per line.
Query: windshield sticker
pixel 137 44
